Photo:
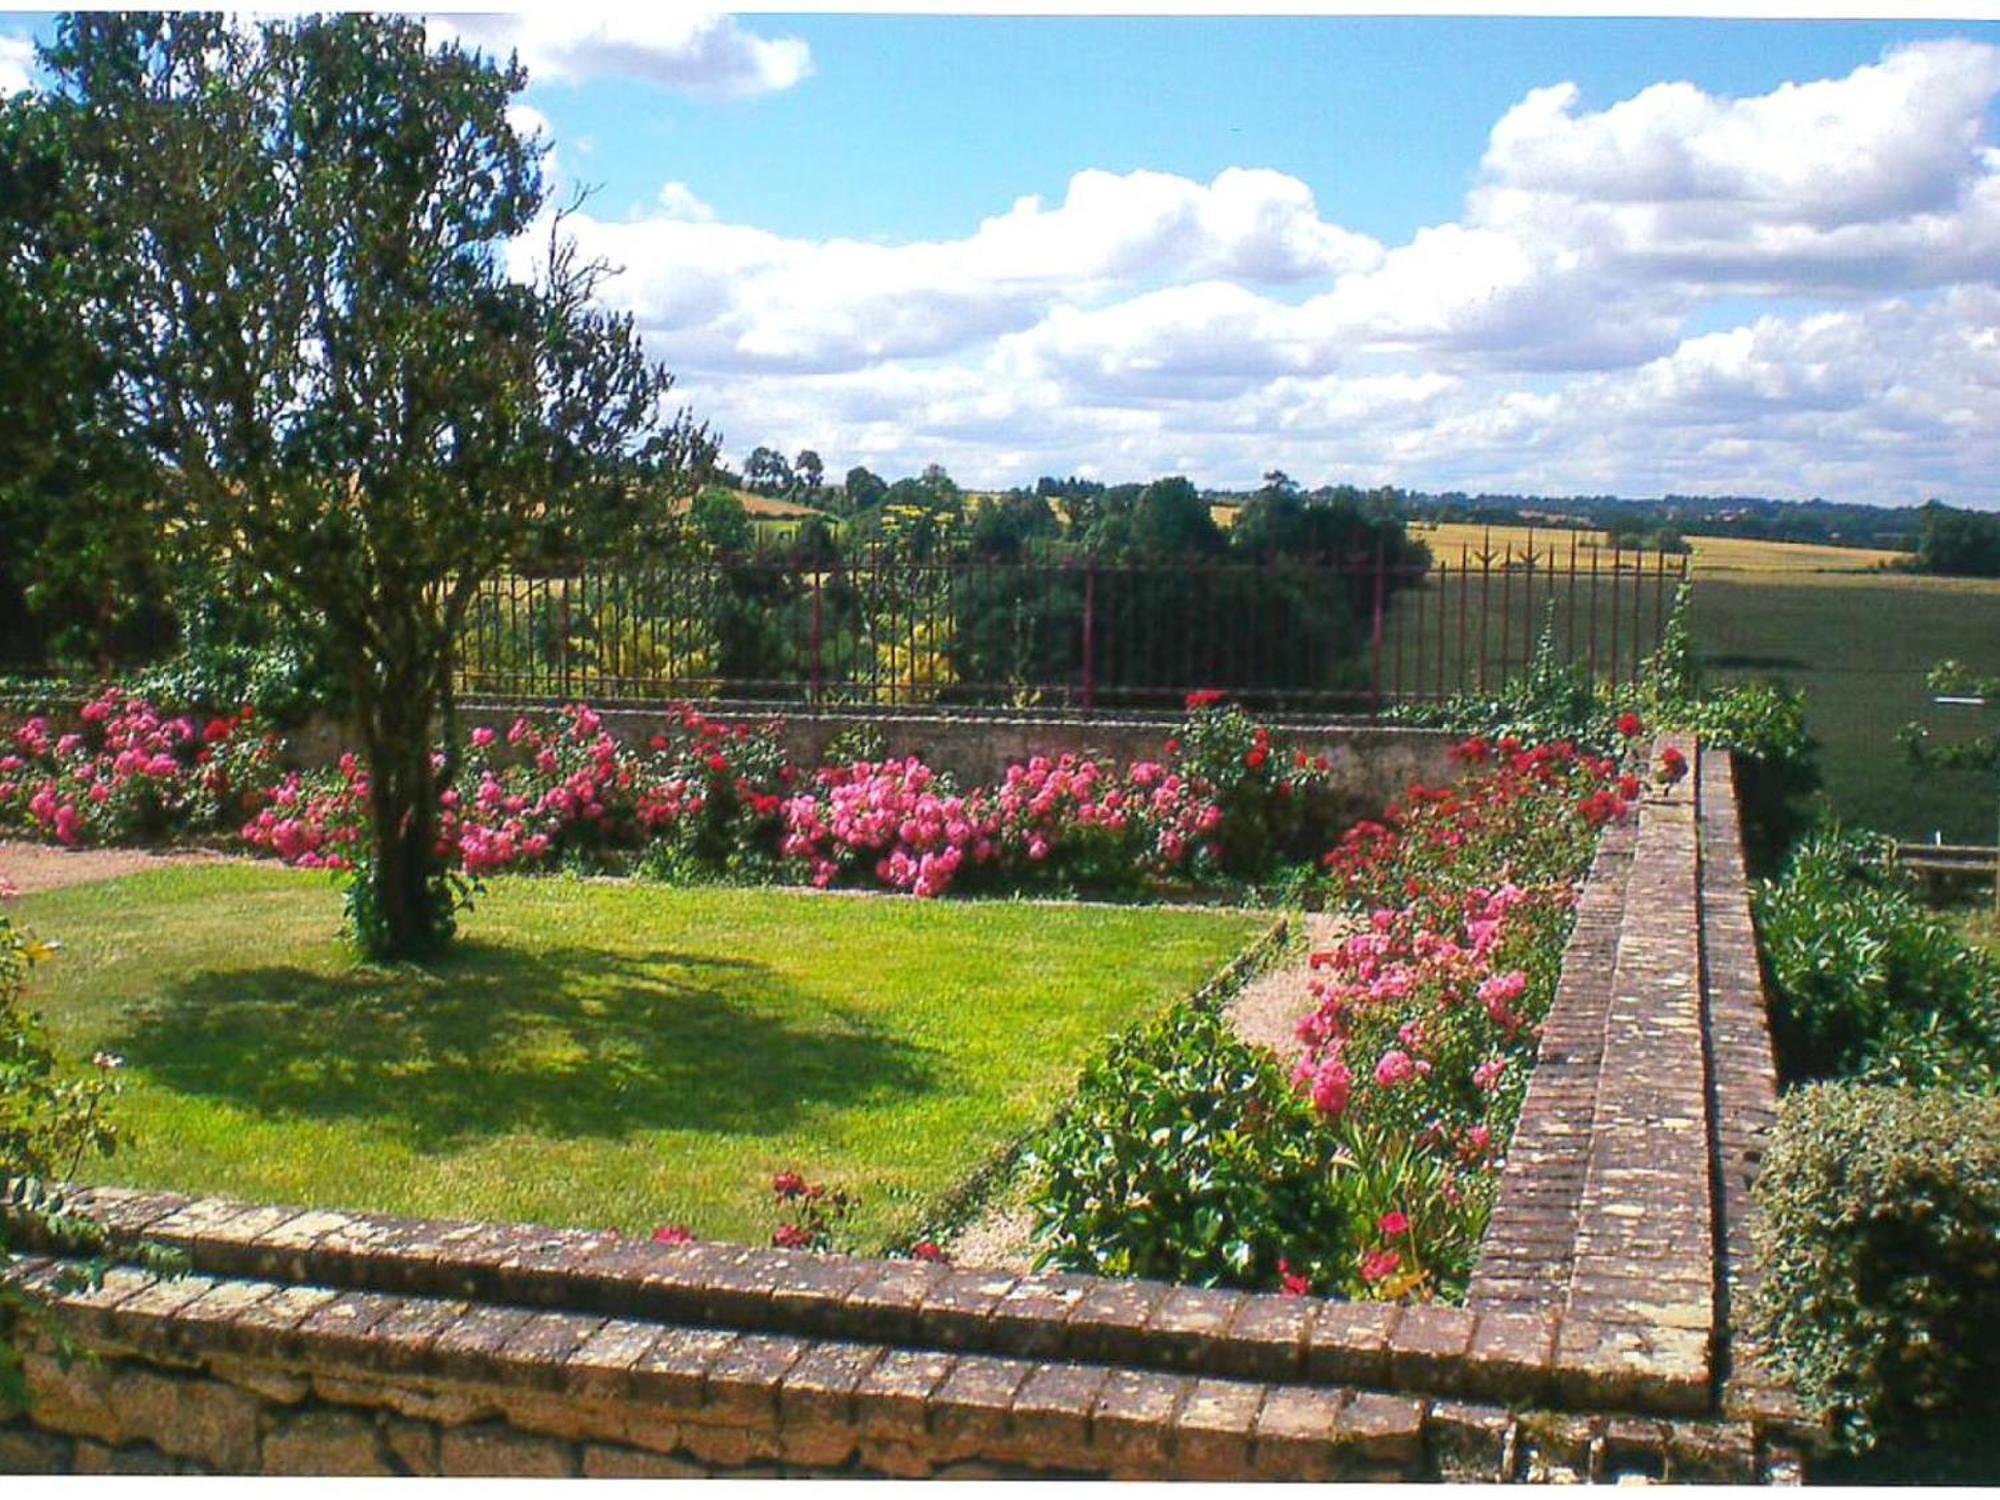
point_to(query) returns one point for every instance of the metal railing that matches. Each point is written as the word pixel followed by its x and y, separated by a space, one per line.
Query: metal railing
pixel 1350 634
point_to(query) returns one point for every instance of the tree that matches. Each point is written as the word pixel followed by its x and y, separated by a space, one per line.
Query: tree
pixel 79 565
pixel 766 472
pixel 808 472
pixel 307 229
pixel 864 488
pixel 718 518
pixel 1172 520
pixel 1960 543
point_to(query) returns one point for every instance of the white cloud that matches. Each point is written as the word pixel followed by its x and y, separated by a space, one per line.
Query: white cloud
pixel 17 60
pixel 683 49
pixel 736 297
pixel 1545 339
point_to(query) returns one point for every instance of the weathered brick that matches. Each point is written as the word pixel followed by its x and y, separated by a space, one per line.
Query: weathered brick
pixel 538 1352
pixel 602 1462
pixel 1108 1323
pixel 670 1373
pixel 1294 1432
pixel 957 1306
pixel 1348 1343
pixel 884 1306
pixel 816 1402
pixel 1132 1424
pixel 1427 1349
pixel 1049 1424
pixel 1267 1339
pixel 968 1411
pixel 892 1398
pixel 1510 1355
pixel 1212 1428
pixel 601 1366
pixel 1379 1426
pixel 1188 1322
pixel 741 1387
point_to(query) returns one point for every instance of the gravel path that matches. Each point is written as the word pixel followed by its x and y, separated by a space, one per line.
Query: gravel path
pixel 1266 1011
pixel 46 867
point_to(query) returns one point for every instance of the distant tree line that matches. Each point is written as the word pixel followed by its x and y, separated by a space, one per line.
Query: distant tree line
pixel 1958 543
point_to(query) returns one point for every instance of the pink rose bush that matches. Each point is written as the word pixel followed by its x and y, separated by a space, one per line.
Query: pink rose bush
pixel 1066 819
pixel 696 799
pixel 1427 1019
pixel 130 772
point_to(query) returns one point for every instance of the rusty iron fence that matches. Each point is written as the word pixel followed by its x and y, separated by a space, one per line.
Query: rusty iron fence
pixel 1341 635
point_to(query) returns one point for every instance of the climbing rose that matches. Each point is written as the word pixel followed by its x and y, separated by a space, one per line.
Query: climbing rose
pixel 1631 725
pixel 1393 1224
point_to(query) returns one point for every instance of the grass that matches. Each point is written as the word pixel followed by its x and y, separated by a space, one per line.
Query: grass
pixel 1860 645
pixel 596 1053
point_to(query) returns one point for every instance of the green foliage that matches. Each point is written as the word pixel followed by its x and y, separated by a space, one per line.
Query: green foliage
pixel 1958 543
pixel 1187 1156
pixel 1866 983
pixel 1277 809
pixel 47 1124
pixel 1880 1259
pixel 719 520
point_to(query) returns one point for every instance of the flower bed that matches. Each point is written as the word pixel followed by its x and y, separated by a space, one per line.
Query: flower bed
pixel 699 800
pixel 1416 1060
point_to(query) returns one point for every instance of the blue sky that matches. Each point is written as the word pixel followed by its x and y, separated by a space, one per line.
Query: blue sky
pixel 1386 117
pixel 1493 253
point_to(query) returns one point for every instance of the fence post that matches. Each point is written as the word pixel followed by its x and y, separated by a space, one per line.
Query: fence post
pixel 562 644
pixel 1089 633
pixel 1375 636
pixel 818 639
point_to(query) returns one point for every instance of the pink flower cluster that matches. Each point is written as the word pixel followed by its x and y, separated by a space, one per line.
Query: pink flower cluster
pixel 1427 1019
pixel 315 821
pixel 129 772
pixel 1066 815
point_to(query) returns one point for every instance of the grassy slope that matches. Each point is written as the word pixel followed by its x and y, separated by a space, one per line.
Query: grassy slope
pixel 597 1054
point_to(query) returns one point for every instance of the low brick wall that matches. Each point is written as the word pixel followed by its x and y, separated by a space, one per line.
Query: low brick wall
pixel 1596 1340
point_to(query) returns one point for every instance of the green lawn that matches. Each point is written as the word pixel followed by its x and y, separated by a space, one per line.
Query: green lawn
pixel 597 1053
pixel 1860 645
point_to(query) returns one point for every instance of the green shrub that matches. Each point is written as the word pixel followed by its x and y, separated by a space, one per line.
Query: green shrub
pixel 1186 1156
pixel 1866 983
pixel 47 1123
pixel 1880 1261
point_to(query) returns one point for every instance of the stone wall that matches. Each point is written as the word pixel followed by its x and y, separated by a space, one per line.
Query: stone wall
pixel 1596 1341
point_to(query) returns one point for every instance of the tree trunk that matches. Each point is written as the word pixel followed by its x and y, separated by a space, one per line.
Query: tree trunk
pixel 410 905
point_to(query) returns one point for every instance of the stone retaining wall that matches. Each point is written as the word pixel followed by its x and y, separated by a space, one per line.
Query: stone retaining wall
pixel 1596 1339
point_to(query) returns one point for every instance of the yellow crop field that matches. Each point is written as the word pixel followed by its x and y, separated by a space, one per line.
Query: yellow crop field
pixel 1711 554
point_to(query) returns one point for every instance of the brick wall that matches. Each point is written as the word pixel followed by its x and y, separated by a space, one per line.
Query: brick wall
pixel 1596 1340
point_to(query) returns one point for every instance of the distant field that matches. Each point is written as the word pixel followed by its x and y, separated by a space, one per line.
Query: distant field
pixel 1711 554
pixel 1859 645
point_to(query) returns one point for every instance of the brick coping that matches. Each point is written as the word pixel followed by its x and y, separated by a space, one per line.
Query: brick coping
pixel 1496 1354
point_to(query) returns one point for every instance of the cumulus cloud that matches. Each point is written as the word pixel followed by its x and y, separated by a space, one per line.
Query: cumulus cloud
pixel 703 54
pixel 737 297
pixel 1557 335
pixel 17 60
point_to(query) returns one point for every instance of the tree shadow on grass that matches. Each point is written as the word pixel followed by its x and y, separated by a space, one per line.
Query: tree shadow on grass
pixel 568 1042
